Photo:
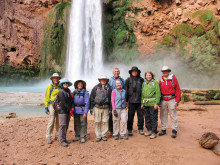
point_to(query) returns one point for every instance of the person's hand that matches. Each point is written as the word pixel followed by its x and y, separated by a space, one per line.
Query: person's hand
pixel 71 112
pixel 115 113
pixel 47 111
pixel 142 106
pixel 91 111
pixel 84 116
pixel 176 104
pixel 155 106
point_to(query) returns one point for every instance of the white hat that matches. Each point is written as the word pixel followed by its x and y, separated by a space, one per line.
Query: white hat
pixel 104 77
pixel 165 68
pixel 55 75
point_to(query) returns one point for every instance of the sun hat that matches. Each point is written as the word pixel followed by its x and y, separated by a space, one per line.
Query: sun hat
pixel 76 83
pixel 103 77
pixel 55 75
pixel 165 68
pixel 65 80
pixel 134 68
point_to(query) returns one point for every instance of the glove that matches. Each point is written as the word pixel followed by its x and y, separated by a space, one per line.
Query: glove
pixel 91 111
pixel 47 111
pixel 115 113
pixel 71 112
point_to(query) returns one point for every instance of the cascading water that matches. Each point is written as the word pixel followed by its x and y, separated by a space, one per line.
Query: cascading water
pixel 84 50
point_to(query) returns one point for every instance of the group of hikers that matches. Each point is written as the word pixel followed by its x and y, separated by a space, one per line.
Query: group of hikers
pixel 108 101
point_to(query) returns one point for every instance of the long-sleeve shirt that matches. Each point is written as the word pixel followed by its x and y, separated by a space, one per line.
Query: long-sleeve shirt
pixel 113 99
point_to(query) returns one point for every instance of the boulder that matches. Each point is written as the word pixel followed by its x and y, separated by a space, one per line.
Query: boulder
pixel 208 140
pixel 216 149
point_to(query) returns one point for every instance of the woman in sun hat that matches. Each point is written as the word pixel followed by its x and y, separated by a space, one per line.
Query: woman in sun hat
pixel 66 106
pixel 81 107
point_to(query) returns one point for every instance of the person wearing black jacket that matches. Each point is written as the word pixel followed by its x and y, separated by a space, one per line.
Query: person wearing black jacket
pixel 133 85
pixel 66 107
pixel 101 102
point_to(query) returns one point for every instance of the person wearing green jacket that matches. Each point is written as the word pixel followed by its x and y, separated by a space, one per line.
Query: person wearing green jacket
pixel 150 99
pixel 50 94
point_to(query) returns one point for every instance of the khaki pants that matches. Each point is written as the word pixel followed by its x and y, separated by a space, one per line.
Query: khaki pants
pixel 101 118
pixel 53 118
pixel 122 116
pixel 80 125
pixel 168 106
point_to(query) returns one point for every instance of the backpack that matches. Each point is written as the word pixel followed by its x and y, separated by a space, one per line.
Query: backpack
pixel 83 95
pixel 56 102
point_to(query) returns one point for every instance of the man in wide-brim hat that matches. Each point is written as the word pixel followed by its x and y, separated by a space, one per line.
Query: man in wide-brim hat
pixel 101 102
pixel 170 93
pixel 50 94
pixel 133 86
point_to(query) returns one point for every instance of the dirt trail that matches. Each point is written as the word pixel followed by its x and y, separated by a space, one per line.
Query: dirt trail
pixel 22 141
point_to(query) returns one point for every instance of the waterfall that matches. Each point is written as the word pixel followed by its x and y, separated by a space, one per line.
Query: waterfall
pixel 84 50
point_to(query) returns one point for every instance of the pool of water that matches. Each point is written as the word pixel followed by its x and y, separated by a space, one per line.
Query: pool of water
pixel 22 111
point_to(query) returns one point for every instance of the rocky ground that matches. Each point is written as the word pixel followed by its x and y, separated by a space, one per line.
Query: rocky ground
pixel 22 141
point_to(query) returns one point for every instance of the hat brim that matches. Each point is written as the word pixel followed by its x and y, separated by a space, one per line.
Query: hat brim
pixel 166 70
pixel 70 84
pixel 54 77
pixel 134 70
pixel 76 83
pixel 103 79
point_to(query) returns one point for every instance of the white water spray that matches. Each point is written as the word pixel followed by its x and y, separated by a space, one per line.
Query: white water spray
pixel 84 50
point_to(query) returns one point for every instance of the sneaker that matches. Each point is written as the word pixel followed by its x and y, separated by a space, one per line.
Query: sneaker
pixel 116 137
pixel 98 139
pixel 141 132
pixel 163 132
pixel 148 133
pixel 153 136
pixel 64 144
pixel 68 142
pixel 104 138
pixel 56 138
pixel 49 141
pixel 174 133
pixel 76 139
pixel 130 133
pixel 83 140
pixel 124 137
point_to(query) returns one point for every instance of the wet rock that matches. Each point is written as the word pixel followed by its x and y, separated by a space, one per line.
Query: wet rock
pixel 208 140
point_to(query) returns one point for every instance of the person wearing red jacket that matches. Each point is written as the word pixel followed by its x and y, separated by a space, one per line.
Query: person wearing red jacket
pixel 170 98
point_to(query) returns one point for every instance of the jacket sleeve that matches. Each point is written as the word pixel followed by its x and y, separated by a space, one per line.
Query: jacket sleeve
pixel 86 103
pixel 109 96
pixel 127 88
pixel 92 97
pixel 177 89
pixel 142 94
pixel 123 83
pixel 158 94
pixel 113 99
pixel 63 100
pixel 47 96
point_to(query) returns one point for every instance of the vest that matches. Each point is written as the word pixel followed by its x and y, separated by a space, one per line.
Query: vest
pixel 102 99
pixel 119 99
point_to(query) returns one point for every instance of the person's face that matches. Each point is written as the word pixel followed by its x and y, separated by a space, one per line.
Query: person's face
pixel 134 73
pixel 65 85
pixel 148 77
pixel 103 81
pixel 118 84
pixel 165 73
pixel 55 80
pixel 116 73
pixel 80 85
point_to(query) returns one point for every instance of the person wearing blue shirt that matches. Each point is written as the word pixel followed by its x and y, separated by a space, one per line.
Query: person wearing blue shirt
pixel 113 79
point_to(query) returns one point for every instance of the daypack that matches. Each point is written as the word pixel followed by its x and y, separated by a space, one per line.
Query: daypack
pixel 83 95
pixel 56 101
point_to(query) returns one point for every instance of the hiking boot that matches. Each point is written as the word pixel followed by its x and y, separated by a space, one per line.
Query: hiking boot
pixel 174 133
pixel 124 137
pixel 83 140
pixel 163 132
pixel 49 141
pixel 148 133
pixel 130 133
pixel 76 139
pixel 153 136
pixel 56 138
pixel 98 139
pixel 68 142
pixel 64 144
pixel 116 137
pixel 104 138
pixel 141 132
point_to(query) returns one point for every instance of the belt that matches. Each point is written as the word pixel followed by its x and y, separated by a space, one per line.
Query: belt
pixel 148 99
pixel 80 105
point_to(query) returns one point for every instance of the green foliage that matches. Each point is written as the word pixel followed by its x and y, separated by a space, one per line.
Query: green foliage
pixel 53 49
pixel 182 29
pixel 204 16
pixel 199 31
pixel 199 97
pixel 168 41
